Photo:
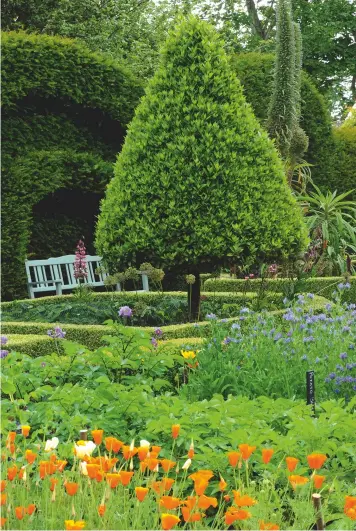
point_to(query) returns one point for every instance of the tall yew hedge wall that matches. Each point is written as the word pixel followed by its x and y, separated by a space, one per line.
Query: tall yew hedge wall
pixel 65 111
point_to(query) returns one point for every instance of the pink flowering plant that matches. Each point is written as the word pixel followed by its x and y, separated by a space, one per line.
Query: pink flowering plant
pixel 80 263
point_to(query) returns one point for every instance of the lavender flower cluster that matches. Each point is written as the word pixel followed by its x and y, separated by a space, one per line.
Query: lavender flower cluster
pixel 56 333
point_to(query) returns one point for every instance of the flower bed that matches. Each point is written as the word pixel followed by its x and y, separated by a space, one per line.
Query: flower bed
pixel 108 484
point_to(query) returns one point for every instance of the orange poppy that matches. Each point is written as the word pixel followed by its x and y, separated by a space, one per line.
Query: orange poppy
pixel 169 502
pixel 53 483
pixel 11 447
pixel 318 481
pixel 92 470
pixel 191 502
pixel 291 463
pixel 222 484
pixel 2 485
pixel 47 469
pixel 267 455
pixel 20 512
pixel 175 430
pixel 60 465
pixel 113 480
pixel 268 526
pixel 152 463
pixel 11 436
pixel 202 474
pixel 350 502
pixel 31 508
pixel 107 464
pixel 53 458
pixel 141 493
pixel 126 477
pixel 191 450
pixel 205 502
pixel 200 486
pixel 128 452
pixel 101 508
pixel 157 487
pixel 243 501
pixel 316 461
pixel 3 497
pixel 99 476
pixel 167 464
pixel 71 525
pixel 234 458
pixel 297 480
pixel 351 513
pixel 30 456
pixel 167 484
pixel 25 430
pixel 227 498
pixel 71 488
pixel 233 514
pixel 97 436
pixel 156 450
pixel 2 522
pixel 21 472
pixel 246 451
pixel 113 445
pixel 189 516
pixel 142 452
pixel 169 521
pixel 11 472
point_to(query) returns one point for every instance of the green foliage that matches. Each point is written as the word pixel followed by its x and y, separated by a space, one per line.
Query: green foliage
pixel 255 71
pixel 343 177
pixel 59 103
pixel 194 141
pixel 324 286
pixel 331 218
pixel 282 112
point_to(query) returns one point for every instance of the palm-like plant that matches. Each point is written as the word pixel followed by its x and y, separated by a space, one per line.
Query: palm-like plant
pixel 331 218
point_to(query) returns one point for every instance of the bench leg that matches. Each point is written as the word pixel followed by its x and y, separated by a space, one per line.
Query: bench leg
pixel 58 288
pixel 145 283
pixel 118 287
pixel 31 294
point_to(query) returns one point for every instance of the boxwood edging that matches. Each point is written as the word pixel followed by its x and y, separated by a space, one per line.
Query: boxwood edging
pixel 323 286
pixel 90 335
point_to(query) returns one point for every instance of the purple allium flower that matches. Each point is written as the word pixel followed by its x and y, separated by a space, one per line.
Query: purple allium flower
pixel 349 366
pixel 310 295
pixel 56 333
pixel 340 367
pixel 343 356
pixel 288 340
pixel 304 358
pixel 351 306
pixel 352 346
pixel 3 353
pixel 244 310
pixel 80 263
pixel 277 336
pixel 285 301
pixel 337 390
pixel 4 340
pixel 346 329
pixel 289 316
pixel 125 311
pixel 308 339
pixel 223 320
pixel 332 376
pixel 158 332
pixel 235 326
pixel 327 380
pixel 227 340
pixel 328 306
pixel 317 360
pixel 211 316
pixel 238 368
pixel 154 342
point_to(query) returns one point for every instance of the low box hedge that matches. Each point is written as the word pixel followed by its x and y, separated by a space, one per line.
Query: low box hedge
pixel 323 286
pixel 91 335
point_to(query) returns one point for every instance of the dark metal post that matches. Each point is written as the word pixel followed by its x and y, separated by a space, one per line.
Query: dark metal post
pixel 311 390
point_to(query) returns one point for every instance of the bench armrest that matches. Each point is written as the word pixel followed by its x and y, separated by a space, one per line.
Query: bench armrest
pixel 44 282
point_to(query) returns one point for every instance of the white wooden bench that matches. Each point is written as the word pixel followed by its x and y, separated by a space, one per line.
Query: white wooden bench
pixel 57 274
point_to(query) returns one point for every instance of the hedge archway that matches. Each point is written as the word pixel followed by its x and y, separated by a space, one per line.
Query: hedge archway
pixel 65 112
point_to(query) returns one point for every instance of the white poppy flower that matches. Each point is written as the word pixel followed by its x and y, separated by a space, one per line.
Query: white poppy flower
pixel 145 444
pixel 84 448
pixel 51 444
pixel 187 464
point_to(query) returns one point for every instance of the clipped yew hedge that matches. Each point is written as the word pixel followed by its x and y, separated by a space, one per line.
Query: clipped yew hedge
pixel 65 111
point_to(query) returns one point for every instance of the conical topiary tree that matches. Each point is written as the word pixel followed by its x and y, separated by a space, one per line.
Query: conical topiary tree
pixel 198 182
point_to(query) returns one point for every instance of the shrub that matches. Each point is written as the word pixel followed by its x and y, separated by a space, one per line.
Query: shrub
pixel 60 104
pixel 343 177
pixel 194 141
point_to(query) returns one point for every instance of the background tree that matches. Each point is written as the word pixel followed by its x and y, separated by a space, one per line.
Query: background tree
pixel 198 182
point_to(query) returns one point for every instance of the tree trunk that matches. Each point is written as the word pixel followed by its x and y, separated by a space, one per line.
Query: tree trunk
pixel 256 25
pixel 194 296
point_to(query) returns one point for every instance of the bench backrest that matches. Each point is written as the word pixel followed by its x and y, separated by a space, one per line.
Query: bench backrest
pixel 62 268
